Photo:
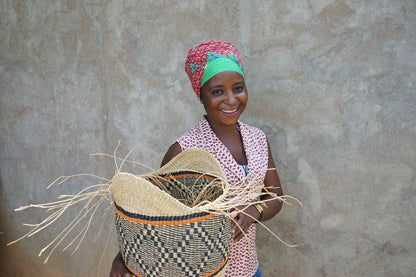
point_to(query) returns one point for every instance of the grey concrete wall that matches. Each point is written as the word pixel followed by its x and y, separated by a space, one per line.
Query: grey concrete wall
pixel 331 82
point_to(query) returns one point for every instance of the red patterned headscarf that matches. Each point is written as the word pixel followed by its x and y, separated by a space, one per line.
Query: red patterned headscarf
pixel 204 53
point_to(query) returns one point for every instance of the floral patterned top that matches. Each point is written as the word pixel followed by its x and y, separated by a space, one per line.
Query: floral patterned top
pixel 243 256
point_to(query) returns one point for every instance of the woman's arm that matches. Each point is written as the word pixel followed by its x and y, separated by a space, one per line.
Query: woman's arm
pixel 271 184
pixel 173 150
pixel 272 207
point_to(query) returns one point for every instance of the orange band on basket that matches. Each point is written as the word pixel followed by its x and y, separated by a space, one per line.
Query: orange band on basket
pixel 132 271
pixel 217 269
pixel 164 222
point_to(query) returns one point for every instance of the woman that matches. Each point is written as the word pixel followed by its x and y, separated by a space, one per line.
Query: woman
pixel 217 77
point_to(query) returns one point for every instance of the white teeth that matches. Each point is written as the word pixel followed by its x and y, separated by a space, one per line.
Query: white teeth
pixel 229 111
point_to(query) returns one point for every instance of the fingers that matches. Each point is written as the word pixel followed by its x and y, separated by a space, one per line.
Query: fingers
pixel 240 227
pixel 237 233
pixel 118 268
pixel 120 273
pixel 241 221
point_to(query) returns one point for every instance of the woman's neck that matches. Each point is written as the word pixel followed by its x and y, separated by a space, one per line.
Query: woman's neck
pixel 231 137
pixel 223 130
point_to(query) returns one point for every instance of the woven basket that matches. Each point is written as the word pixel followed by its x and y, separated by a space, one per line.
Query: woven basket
pixel 164 220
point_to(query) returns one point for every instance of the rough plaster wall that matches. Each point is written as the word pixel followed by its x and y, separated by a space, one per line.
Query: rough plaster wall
pixel 332 83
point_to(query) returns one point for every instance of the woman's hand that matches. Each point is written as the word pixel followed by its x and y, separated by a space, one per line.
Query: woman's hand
pixel 118 269
pixel 242 220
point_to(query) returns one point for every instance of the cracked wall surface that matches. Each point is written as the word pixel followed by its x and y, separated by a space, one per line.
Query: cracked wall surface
pixel 332 83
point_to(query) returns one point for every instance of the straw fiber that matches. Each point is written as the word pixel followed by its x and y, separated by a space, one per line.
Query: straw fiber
pixel 174 221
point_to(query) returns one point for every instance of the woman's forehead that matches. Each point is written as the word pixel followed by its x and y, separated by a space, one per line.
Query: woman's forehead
pixel 226 76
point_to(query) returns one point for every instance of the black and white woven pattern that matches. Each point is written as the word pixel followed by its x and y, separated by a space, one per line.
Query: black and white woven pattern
pixel 197 248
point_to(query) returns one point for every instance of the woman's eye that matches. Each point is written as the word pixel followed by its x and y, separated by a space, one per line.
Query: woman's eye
pixel 238 89
pixel 217 92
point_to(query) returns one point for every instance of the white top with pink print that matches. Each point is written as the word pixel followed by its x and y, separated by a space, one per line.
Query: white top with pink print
pixel 243 256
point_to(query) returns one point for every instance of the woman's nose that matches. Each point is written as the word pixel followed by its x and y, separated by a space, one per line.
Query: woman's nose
pixel 230 97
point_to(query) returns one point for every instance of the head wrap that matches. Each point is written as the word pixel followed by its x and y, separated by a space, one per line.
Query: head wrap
pixel 209 58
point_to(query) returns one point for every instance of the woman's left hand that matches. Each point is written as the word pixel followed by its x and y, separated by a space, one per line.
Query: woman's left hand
pixel 242 220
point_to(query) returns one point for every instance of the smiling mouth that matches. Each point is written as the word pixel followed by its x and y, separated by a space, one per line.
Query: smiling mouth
pixel 229 111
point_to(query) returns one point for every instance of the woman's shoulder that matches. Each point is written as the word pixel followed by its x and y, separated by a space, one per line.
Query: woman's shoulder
pixel 251 129
pixel 193 137
pixel 195 131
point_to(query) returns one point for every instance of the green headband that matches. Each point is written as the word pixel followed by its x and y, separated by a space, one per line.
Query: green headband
pixel 218 65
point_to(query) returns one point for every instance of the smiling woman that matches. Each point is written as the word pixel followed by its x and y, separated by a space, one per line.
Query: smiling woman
pixel 216 73
pixel 224 98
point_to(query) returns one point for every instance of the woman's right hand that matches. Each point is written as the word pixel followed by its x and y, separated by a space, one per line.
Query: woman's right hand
pixel 118 269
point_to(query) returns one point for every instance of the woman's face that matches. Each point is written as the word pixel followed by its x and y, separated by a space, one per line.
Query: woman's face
pixel 224 97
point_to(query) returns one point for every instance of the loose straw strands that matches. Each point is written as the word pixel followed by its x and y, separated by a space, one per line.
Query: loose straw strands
pixel 242 195
pixel 93 197
pixel 123 160
pixel 212 194
pixel 193 195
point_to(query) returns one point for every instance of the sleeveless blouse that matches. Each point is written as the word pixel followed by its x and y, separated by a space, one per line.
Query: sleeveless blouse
pixel 243 260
